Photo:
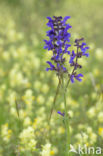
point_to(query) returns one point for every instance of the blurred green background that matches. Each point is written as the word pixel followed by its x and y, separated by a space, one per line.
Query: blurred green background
pixel 27 90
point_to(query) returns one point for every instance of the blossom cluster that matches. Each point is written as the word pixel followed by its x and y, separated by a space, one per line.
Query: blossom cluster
pixel 58 42
pixel 74 56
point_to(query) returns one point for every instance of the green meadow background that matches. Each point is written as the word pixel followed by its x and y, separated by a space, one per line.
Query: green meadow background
pixel 27 90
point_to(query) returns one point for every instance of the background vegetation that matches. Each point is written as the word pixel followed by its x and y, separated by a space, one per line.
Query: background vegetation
pixel 27 90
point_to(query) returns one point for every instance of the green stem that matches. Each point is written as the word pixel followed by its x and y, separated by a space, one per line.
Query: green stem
pixel 54 101
pixel 66 121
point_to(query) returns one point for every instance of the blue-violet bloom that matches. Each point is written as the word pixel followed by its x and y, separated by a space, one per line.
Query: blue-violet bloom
pixel 59 43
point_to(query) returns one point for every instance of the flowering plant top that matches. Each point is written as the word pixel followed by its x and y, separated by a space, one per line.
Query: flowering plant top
pixel 59 43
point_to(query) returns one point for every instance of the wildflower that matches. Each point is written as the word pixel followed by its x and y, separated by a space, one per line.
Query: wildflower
pixel 100 117
pixel 37 85
pixel 6 133
pixel 81 51
pixel 35 123
pixel 52 152
pixel 58 43
pixel 27 121
pixel 74 75
pixel 99 54
pixel 45 88
pixel 70 113
pixel 46 150
pixel 89 130
pixel 61 130
pixel 40 99
pixel 93 138
pixel 91 112
pixel 27 139
pixel 100 131
pixel 62 114
pixel 22 114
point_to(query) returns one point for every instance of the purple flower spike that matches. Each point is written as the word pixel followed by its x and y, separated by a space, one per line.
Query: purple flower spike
pixel 62 114
pixel 58 43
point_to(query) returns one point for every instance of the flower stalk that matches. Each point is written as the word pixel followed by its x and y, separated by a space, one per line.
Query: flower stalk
pixel 66 121
pixel 56 94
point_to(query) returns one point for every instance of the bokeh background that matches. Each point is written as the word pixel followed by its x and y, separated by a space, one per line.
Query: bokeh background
pixel 27 90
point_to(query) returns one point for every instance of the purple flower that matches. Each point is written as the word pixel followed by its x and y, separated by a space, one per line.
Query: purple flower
pixel 52 67
pixel 48 45
pixel 65 19
pixel 81 51
pixel 76 76
pixel 72 57
pixel 72 78
pixel 62 114
pixel 58 43
pixel 84 49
